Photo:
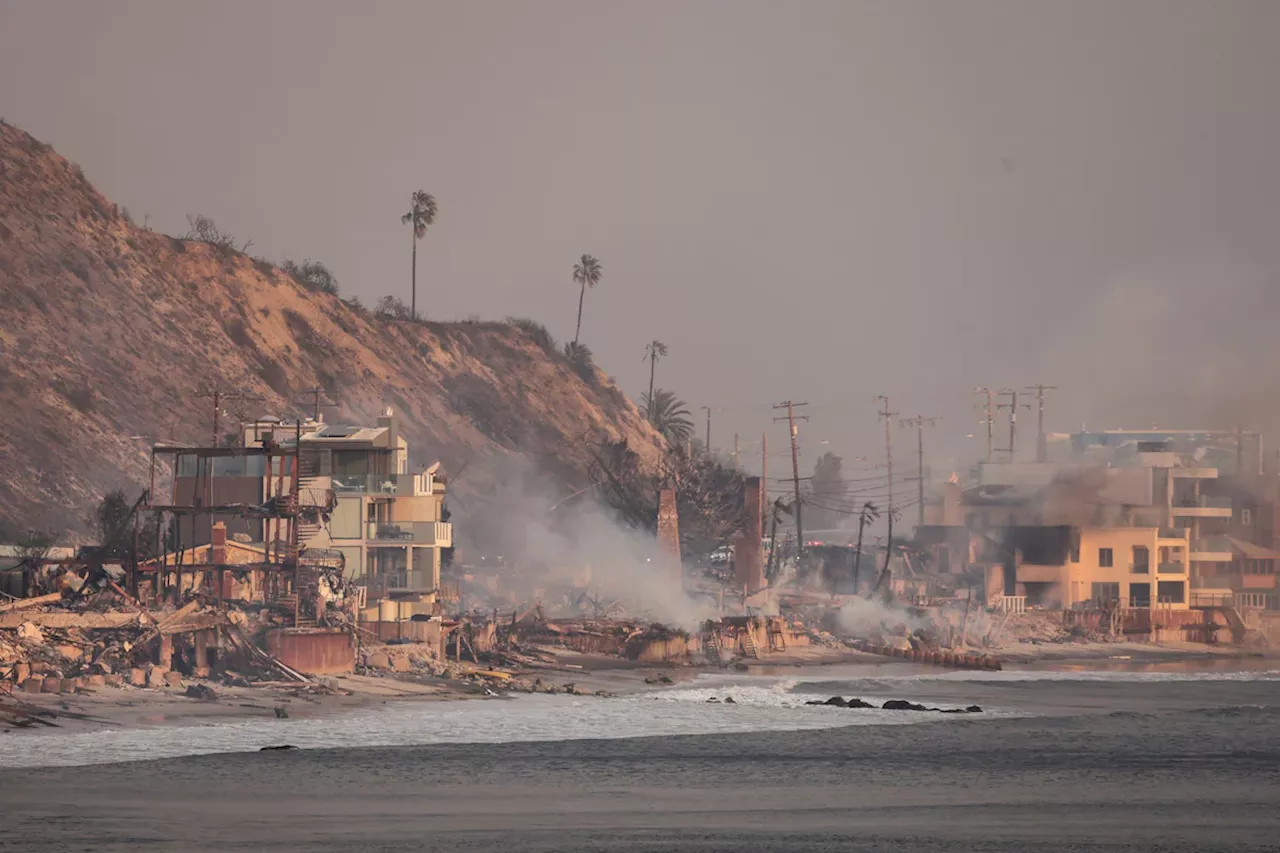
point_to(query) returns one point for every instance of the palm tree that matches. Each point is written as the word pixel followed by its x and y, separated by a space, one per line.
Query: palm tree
pixel 653 351
pixel 587 272
pixel 669 416
pixel 422 212
pixel 867 515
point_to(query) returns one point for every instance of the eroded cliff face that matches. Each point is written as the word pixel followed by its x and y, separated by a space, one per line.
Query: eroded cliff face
pixel 109 332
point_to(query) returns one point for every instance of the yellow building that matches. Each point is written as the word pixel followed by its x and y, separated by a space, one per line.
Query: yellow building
pixel 1068 567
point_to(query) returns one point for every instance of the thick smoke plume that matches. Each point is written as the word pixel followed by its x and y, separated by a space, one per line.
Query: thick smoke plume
pixel 864 617
pixel 560 544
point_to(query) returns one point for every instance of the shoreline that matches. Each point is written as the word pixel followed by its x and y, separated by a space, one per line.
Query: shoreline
pixel 594 676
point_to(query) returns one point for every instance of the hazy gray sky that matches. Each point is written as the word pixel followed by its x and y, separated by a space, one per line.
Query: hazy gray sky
pixel 817 200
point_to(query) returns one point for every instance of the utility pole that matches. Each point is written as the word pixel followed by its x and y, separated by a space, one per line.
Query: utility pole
pixel 795 467
pixel 708 411
pixel 888 442
pixel 888 449
pixel 990 421
pixel 1012 408
pixel 919 422
pixel 1042 440
pixel 217 399
pixel 314 394
pixel 218 396
pixel 736 466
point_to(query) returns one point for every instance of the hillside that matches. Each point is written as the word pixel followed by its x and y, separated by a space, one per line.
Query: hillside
pixel 109 332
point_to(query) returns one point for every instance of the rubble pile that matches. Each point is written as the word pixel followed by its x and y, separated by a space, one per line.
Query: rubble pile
pixel 68 641
pixel 1035 626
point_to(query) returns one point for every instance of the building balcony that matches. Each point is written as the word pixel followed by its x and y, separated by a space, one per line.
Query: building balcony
pixel 346 484
pixel 438 534
pixel 1171 568
pixel 1204 507
pixel 1213 549
pixel 386 485
pixel 1258 582
pixel 1193 473
pixel 1216 598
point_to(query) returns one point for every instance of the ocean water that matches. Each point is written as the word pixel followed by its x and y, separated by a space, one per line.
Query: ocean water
pixel 1181 762
pixel 761 703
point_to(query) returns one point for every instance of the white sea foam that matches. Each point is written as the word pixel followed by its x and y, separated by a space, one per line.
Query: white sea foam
pixel 760 704
pixel 1116 675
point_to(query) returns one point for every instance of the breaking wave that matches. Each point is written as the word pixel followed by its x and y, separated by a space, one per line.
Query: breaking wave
pixel 760 705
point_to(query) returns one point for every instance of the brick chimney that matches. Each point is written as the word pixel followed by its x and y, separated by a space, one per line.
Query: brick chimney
pixel 389 422
pixel 218 543
pixel 669 531
pixel 748 558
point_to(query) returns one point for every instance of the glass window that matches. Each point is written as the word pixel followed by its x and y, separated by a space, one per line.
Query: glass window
pixel 1105 558
pixel 350 463
pixel 1104 592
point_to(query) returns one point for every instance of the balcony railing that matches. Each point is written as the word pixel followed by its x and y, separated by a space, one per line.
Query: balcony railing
pixel 436 533
pixel 1212 599
pixel 1203 502
pixel 365 483
pixel 1173 568
pixel 393 485
pixel 1011 603
pixel 1213 545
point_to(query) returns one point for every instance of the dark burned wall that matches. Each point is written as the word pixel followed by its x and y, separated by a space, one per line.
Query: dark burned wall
pixel 197 530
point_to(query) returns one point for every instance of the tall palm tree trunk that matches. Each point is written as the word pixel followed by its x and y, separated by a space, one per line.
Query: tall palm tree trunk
pixel 413 297
pixel 857 555
pixel 653 366
pixel 888 552
pixel 581 296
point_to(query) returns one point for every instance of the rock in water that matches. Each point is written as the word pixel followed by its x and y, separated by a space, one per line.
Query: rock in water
pixel 973 709
pixel 902 705
pixel 858 703
pixel 274 748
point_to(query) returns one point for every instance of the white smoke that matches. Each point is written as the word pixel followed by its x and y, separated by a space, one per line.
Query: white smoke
pixel 866 617
pixel 555 545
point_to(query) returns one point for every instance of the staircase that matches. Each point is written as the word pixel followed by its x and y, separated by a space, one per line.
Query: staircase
pixel 313 502
pixel 308 529
pixel 308 589
pixel 749 645
pixel 1235 623
pixel 711 648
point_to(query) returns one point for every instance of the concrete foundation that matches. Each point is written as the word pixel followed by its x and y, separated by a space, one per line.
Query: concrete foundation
pixel 314 651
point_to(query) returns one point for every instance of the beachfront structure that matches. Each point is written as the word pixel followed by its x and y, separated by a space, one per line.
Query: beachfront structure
pixel 1067 567
pixel 389 523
